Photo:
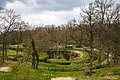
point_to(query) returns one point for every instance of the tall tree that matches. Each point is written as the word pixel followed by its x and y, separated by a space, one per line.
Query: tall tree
pixel 35 56
pixel 88 18
pixel 104 13
pixel 7 20
pixel 115 32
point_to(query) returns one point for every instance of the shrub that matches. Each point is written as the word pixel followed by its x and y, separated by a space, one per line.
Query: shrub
pixel 42 56
pixel 116 71
pixel 22 71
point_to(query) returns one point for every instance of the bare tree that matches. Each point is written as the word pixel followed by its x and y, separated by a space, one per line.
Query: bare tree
pixel 20 27
pixel 88 18
pixel 76 32
pixel 35 57
pixel 7 20
pixel 115 23
pixel 105 13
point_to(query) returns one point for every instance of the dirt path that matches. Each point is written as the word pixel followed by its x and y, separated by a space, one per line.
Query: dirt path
pixel 5 69
pixel 79 52
pixel 63 78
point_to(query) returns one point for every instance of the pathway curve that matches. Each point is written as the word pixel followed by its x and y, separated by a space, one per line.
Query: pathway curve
pixel 79 52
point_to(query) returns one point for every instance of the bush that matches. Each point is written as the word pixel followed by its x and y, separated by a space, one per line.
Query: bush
pixel 42 56
pixel 116 71
pixel 22 71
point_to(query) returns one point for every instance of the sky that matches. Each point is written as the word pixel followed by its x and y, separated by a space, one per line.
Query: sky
pixel 46 12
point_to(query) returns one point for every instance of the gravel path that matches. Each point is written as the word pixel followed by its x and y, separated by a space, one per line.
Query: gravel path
pixel 5 69
pixel 79 52
pixel 63 78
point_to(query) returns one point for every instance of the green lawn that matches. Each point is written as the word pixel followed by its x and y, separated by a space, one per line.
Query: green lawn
pixel 100 74
pixel 13 52
pixel 110 73
pixel 42 56
pixel 60 67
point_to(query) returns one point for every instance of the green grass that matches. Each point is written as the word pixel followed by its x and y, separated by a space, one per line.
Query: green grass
pixel 103 57
pixel 5 76
pixel 42 56
pixel 58 67
pixel 108 73
pixel 47 75
pixel 13 52
pixel 41 74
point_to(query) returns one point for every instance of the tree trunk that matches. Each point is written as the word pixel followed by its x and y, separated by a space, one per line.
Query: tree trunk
pixel 108 59
pixel 99 57
pixel 90 66
pixel 114 58
pixel 35 53
pixel 3 53
pixel 33 60
pixel 117 61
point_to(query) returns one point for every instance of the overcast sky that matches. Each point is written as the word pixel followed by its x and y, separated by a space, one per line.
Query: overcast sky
pixel 46 12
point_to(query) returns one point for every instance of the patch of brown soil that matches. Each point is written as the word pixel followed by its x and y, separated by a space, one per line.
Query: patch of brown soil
pixel 63 78
pixel 5 69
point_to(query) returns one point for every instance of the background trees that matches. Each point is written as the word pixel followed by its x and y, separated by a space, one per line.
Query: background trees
pixel 76 32
pixel 105 13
